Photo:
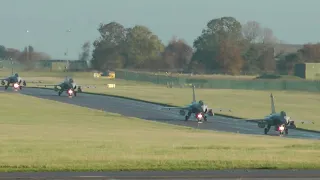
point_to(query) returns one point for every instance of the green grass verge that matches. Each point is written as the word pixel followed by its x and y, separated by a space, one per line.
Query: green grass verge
pixel 248 104
pixel 50 136
pixel 223 76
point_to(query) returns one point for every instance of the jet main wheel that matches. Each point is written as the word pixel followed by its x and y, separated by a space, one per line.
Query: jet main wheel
pixel 59 93
pixel 287 131
pixel 6 87
pixel 75 93
pixel 205 118
pixel 188 116
pixel 265 131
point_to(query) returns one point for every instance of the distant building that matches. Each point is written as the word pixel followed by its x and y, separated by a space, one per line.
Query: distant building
pixel 309 71
pixel 62 65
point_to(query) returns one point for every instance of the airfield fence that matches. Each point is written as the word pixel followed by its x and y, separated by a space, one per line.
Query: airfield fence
pixel 247 84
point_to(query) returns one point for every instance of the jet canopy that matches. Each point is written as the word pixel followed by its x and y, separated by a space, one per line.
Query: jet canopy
pixel 68 80
pixel 16 75
pixel 201 102
pixel 283 114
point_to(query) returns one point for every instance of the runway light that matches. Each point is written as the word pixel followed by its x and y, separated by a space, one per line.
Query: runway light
pixel 16 86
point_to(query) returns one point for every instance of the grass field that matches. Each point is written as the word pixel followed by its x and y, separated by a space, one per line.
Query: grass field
pixel 50 136
pixel 244 103
pixel 224 76
pixel 200 76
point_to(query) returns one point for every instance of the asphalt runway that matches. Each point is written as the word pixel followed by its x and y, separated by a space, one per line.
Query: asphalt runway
pixel 178 175
pixel 151 112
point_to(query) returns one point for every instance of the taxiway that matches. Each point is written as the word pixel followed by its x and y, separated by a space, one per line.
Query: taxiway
pixel 152 112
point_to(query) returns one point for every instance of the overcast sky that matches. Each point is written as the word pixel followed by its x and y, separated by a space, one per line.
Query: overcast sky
pixel 292 21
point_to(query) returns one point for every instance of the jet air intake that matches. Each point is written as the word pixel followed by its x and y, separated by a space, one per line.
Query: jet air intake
pixel 182 112
pixel 262 124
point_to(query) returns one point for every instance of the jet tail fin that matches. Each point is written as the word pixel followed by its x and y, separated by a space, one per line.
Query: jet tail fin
pixel 193 94
pixel 273 109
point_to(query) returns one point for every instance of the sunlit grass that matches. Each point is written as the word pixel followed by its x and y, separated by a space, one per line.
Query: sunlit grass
pixel 44 135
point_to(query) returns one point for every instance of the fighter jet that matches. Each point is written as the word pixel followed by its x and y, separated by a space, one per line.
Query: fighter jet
pixel 281 121
pixel 199 109
pixel 68 85
pixel 13 80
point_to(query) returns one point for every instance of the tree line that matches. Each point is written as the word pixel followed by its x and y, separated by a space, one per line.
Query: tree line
pixel 224 46
pixel 26 56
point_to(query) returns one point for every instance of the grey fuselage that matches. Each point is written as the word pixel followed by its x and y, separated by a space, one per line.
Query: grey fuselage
pixel 276 119
pixel 13 79
pixel 196 108
pixel 67 86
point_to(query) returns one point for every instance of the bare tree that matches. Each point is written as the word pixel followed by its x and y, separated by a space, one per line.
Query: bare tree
pixel 268 37
pixel 84 55
pixel 252 31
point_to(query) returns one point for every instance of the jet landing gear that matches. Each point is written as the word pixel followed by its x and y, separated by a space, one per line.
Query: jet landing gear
pixel 188 116
pixel 6 86
pixel 266 130
pixel 59 93
pixel 205 118
pixel 286 131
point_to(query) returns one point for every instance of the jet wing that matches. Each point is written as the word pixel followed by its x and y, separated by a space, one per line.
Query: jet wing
pixel 256 120
pixel 4 79
pixel 49 85
pixel 219 109
pixel 292 123
pixel 262 123
pixel 179 108
pixel 79 87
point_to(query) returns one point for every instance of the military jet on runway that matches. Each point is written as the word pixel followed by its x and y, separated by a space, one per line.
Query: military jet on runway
pixel 14 80
pixel 280 121
pixel 68 85
pixel 199 109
